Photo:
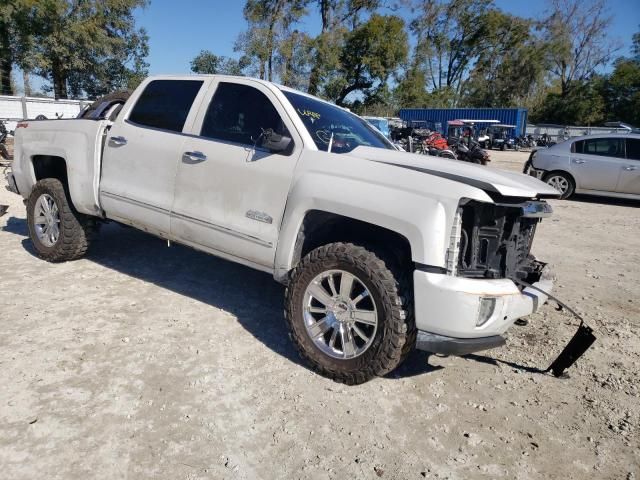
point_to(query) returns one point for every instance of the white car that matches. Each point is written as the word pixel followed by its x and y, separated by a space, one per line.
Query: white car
pixel 607 165
pixel 382 251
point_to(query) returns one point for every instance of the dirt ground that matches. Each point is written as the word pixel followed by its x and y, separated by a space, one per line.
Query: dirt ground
pixel 141 361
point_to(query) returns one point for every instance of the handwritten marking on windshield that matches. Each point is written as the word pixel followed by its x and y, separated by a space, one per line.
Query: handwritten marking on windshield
pixel 313 116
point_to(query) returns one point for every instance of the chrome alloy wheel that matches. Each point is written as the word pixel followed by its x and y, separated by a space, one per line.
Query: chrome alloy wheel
pixel 559 183
pixel 47 220
pixel 340 314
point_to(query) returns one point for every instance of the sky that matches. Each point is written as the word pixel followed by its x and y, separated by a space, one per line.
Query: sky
pixel 179 30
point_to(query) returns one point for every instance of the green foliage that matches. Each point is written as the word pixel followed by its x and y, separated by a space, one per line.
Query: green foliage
pixel 370 55
pixel 89 46
pixel 511 62
pixel 206 62
pixel 583 104
pixel 270 24
pixel 449 38
pixel 622 92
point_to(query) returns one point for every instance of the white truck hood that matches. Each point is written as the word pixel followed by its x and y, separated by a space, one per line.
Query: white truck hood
pixel 509 184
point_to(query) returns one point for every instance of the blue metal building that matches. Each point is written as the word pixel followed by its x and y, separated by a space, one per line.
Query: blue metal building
pixel 435 116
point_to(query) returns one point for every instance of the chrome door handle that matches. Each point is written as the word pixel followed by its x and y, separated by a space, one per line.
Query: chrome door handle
pixel 578 161
pixel 118 140
pixel 193 157
pixel 629 168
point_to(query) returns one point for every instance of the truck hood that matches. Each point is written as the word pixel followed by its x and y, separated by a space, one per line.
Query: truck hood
pixel 509 184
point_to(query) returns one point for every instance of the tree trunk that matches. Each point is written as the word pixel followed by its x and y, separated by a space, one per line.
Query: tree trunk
pixel 59 81
pixel 6 61
pixel 5 71
pixel 325 13
pixel 27 83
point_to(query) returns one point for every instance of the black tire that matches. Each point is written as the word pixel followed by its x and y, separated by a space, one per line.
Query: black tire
pixel 527 166
pixel 392 293
pixel 571 184
pixel 76 229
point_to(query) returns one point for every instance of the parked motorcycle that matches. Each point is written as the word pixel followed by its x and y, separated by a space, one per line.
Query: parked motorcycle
pixel 4 152
pixel 471 152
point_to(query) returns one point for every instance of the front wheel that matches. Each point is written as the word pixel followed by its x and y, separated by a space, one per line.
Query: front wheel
pixel 57 231
pixel 349 314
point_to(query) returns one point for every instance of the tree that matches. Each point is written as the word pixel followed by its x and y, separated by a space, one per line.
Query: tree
pixel 269 22
pixel 449 37
pixel 206 62
pixel 622 88
pixel 293 59
pixel 15 40
pixel 577 30
pixel 90 46
pixel 511 64
pixel 338 17
pixel 582 105
pixel 410 91
pixel 370 55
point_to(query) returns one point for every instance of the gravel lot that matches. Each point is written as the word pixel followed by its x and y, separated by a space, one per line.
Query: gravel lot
pixel 141 361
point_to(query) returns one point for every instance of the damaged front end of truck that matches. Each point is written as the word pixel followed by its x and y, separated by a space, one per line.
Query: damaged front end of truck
pixel 495 242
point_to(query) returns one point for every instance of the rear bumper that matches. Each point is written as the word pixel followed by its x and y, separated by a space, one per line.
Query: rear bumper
pixel 11 184
pixel 449 315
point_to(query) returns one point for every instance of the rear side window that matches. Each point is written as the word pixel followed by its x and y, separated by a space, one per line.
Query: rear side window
pixel 578 146
pixel 633 148
pixel 606 147
pixel 165 104
pixel 239 113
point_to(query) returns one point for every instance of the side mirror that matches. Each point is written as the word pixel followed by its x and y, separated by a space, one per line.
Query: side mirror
pixel 275 142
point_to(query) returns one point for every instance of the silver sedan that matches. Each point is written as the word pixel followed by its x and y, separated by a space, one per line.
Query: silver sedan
pixel 607 165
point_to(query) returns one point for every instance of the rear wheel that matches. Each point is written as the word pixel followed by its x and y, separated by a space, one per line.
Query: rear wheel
pixel 58 232
pixel 349 314
pixel 561 182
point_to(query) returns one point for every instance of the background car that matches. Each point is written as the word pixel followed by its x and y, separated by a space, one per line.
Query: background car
pixel 382 124
pixel 606 165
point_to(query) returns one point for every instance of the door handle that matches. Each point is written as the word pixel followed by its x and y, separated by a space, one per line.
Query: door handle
pixel 118 140
pixel 579 162
pixel 629 168
pixel 193 157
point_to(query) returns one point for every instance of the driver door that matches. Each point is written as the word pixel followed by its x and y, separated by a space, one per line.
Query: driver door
pixel 230 193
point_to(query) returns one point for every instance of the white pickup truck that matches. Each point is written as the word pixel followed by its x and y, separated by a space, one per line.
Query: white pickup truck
pixel 381 250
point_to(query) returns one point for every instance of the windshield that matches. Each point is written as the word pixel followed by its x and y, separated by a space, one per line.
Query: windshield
pixel 332 127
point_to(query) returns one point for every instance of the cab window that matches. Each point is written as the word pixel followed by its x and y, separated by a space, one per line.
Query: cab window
pixel 239 114
pixel 165 104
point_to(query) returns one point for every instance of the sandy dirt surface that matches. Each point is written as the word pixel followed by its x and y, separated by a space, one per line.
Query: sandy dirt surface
pixel 142 361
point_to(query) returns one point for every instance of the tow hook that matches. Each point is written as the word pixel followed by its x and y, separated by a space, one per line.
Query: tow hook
pixel 577 346
pixel 3 209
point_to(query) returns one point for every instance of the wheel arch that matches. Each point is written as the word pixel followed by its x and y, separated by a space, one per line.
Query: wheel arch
pixel 51 166
pixel 321 228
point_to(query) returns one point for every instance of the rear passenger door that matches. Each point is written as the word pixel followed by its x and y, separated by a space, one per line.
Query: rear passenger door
pixel 142 152
pixel 595 163
pixel 629 181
